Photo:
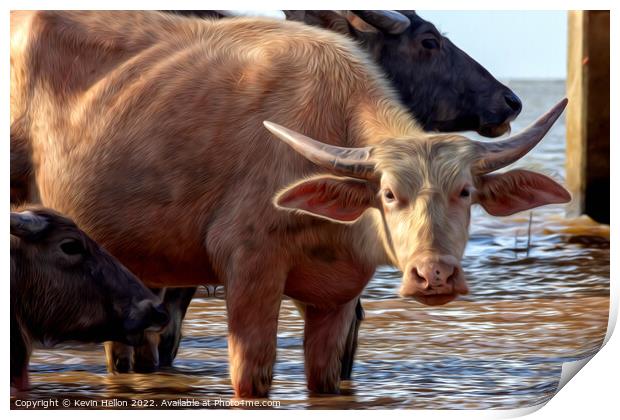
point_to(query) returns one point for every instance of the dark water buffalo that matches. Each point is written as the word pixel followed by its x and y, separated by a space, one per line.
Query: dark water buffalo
pixel 66 287
pixel 444 88
pixel 153 141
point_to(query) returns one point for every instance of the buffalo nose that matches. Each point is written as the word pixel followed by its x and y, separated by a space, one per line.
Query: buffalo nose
pixel 513 101
pixel 431 275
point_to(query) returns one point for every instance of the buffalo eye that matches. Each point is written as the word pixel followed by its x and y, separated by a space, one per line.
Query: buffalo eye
pixel 465 193
pixel 388 195
pixel 430 44
pixel 72 247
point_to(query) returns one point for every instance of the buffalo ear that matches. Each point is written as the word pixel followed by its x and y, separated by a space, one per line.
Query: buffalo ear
pixel 344 22
pixel 386 21
pixel 329 197
pixel 517 190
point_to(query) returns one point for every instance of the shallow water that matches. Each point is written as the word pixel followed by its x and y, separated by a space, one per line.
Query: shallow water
pixel 534 304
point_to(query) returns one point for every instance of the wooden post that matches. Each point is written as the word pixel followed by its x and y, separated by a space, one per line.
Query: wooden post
pixel 587 116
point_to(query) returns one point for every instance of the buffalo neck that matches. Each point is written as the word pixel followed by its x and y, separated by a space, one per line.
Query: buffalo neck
pixel 377 116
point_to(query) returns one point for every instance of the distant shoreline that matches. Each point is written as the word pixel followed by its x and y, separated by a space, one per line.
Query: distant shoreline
pixel 530 80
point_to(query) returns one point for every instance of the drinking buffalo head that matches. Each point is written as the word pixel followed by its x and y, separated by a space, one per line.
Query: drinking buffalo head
pixel 69 288
pixel 423 188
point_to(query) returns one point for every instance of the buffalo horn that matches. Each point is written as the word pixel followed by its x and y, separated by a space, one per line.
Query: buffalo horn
pixel 499 154
pixel 352 162
pixel 388 21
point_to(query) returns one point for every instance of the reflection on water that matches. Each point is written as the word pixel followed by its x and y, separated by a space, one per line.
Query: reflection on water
pixel 531 308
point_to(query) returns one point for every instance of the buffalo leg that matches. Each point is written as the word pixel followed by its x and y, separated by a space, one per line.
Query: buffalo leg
pixel 118 357
pixel 301 308
pixel 121 358
pixel 350 347
pixel 146 355
pixel 20 356
pixel 177 300
pixel 253 296
pixel 158 349
pixel 325 337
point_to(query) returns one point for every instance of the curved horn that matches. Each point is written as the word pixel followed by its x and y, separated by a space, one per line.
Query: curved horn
pixel 353 162
pixel 388 21
pixel 502 153
pixel 27 223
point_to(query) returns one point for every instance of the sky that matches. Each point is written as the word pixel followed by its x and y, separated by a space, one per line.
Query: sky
pixel 510 44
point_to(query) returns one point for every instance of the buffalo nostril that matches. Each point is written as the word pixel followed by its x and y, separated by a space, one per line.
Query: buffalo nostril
pixel 452 277
pixel 420 279
pixel 513 102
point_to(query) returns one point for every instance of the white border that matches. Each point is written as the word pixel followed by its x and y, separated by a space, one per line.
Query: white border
pixel 593 394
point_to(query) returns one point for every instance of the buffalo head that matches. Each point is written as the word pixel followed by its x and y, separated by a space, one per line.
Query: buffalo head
pixel 68 287
pixel 423 188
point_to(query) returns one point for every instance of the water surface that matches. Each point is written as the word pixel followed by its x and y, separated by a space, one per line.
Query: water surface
pixel 534 304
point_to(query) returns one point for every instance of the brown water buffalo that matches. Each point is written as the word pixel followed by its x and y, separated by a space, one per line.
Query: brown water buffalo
pixel 66 287
pixel 444 89
pixel 153 141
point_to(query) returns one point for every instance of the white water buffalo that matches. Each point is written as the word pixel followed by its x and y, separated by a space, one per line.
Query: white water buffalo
pixel 444 89
pixel 153 140
pixel 66 287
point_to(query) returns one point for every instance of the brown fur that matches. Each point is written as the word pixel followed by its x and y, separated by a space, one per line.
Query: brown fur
pixel 154 143
pixel 443 88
